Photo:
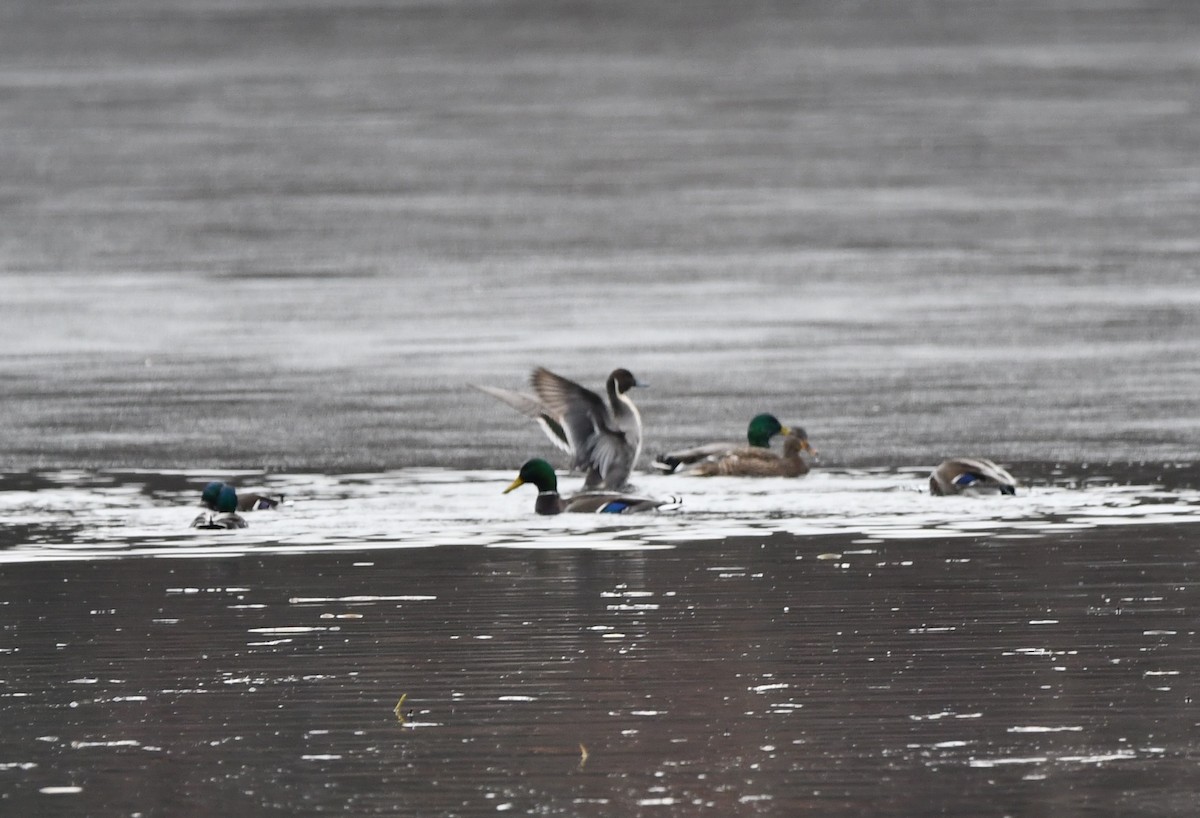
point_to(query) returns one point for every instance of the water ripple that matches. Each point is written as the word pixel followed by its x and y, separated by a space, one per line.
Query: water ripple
pixel 73 515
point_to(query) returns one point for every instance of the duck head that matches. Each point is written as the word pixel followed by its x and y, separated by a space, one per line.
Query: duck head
pixel 208 497
pixel 227 500
pixel 539 473
pixel 764 427
pixel 622 381
pixel 798 438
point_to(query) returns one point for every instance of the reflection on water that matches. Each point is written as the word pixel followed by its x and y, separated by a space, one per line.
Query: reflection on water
pixel 839 645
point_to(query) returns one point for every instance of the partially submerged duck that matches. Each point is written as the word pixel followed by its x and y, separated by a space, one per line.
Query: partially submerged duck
pixel 246 502
pixel 541 474
pixel 761 430
pixel 604 439
pixel 964 475
pixel 226 507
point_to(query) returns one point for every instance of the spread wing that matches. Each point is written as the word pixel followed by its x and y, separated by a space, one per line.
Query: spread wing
pixel 610 454
pixel 531 407
pixel 600 445
pixel 581 412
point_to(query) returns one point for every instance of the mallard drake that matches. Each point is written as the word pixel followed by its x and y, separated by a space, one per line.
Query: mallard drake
pixel 226 506
pixel 541 474
pixel 965 475
pixel 761 429
pixel 755 461
pixel 603 439
pixel 246 502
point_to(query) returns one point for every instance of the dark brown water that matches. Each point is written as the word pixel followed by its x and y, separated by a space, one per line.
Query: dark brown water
pixel 282 237
pixel 840 644
pixel 747 678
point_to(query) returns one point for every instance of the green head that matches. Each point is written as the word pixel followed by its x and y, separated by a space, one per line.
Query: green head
pixel 539 473
pixel 764 427
pixel 227 500
pixel 209 496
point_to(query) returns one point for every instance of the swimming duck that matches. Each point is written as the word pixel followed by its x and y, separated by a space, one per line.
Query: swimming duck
pixel 762 428
pixel 603 439
pixel 246 502
pixel 965 475
pixel 755 461
pixel 226 506
pixel 541 474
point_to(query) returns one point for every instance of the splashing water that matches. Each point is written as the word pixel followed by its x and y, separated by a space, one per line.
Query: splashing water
pixel 81 515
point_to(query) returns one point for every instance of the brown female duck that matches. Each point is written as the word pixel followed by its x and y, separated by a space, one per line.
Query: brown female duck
pixel 755 461
pixel 762 428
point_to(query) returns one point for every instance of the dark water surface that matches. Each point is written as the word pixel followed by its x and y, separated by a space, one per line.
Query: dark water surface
pixel 733 678
pixel 841 645
pixel 748 677
pixel 272 241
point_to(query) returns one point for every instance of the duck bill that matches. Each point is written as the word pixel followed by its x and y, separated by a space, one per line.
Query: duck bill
pixel 516 484
pixel 785 430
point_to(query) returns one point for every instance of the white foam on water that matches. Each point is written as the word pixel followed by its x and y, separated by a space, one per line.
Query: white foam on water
pixel 80 517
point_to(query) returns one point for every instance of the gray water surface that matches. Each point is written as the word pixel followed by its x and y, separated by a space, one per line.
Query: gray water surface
pixel 273 241
pixel 284 234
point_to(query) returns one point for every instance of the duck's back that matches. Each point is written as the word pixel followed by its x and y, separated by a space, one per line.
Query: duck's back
pixel 755 461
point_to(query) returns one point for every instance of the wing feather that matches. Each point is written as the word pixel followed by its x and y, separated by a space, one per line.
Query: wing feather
pixel 949 476
pixel 578 421
pixel 531 407
pixel 586 422
pixel 609 453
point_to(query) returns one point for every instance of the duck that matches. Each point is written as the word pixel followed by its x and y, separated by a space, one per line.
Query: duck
pixel 246 502
pixel 967 475
pixel 539 473
pixel 755 461
pixel 759 432
pixel 604 439
pixel 226 506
